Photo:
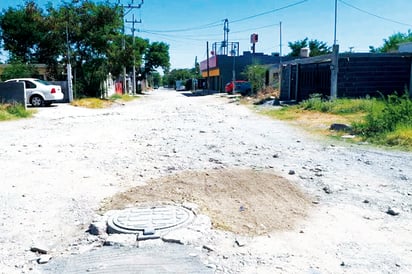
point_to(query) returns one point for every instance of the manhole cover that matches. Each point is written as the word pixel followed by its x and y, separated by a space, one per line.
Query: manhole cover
pixel 149 220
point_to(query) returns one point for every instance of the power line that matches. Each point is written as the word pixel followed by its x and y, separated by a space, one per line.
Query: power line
pixel 270 11
pixel 210 25
pixel 374 15
pixel 252 29
pixel 218 23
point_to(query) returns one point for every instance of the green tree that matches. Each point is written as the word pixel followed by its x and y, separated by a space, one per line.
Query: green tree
pixel 296 46
pixel 157 55
pixel 18 69
pixel 177 74
pixel 90 31
pixel 155 79
pixel 22 30
pixel 316 47
pixel 256 76
pixel 391 44
pixel 117 57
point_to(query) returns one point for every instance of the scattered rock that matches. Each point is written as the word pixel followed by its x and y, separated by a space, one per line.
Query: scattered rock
pixel 183 236
pixel 392 211
pixel 121 240
pixel 44 259
pixel 327 190
pixel 240 241
pixel 208 247
pixel 340 127
pixel 366 201
pixel 39 249
pixel 98 227
pixel 292 172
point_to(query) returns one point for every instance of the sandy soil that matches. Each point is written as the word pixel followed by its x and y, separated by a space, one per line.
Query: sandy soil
pixel 307 205
pixel 236 200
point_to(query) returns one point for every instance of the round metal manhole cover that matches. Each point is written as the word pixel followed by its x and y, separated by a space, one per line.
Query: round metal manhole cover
pixel 149 220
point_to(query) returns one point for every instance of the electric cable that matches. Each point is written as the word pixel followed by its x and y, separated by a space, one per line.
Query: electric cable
pixel 268 12
pixel 374 15
pixel 218 23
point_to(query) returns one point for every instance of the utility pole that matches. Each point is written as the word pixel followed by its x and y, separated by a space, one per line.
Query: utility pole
pixel 208 66
pixel 69 67
pixel 134 56
pixel 335 61
pixel 226 37
pixel 130 7
pixel 280 39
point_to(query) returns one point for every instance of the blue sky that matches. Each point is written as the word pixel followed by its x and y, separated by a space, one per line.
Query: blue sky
pixel 187 25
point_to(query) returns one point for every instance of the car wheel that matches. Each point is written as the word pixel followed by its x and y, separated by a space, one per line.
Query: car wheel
pixel 36 101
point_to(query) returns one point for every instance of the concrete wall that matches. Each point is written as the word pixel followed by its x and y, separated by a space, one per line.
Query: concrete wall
pixel 360 75
pixel 12 92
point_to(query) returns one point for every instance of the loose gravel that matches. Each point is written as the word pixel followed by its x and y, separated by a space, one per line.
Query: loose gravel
pixel 58 166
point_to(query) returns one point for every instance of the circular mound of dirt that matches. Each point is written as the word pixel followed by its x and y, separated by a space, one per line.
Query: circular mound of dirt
pixel 247 202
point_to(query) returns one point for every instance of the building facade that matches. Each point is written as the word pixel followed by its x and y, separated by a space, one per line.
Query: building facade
pixel 221 69
pixel 359 75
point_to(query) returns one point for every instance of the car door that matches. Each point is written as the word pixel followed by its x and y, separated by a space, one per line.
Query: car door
pixel 30 88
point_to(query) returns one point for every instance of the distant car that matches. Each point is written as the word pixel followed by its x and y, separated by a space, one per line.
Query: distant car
pixel 242 87
pixel 38 92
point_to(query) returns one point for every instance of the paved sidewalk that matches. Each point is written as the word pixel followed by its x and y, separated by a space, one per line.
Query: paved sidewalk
pixel 164 258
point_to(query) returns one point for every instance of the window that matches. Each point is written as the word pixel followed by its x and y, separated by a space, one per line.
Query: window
pixel 29 84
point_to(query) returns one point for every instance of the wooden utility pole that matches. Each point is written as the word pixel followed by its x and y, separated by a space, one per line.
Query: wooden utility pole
pixel 207 61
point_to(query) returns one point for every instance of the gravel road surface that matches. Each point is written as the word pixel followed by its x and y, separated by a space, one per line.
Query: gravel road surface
pixel 57 167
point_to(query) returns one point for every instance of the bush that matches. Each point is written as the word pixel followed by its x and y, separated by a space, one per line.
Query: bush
pixel 395 113
pixel 13 111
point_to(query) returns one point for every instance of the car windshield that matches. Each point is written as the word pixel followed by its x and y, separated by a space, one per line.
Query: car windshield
pixel 42 82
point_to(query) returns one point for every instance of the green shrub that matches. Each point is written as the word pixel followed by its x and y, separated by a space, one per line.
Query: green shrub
pixel 395 112
pixel 13 111
pixel 338 106
pixel 18 111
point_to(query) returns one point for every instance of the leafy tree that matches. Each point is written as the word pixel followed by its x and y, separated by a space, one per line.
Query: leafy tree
pixel 22 31
pixel 18 69
pixel 297 46
pixel 155 79
pixel 392 42
pixel 117 57
pixel 316 47
pixel 256 76
pixel 177 74
pixel 157 55
pixel 90 31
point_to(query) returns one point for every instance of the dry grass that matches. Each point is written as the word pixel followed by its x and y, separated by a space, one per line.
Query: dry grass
pixel 91 103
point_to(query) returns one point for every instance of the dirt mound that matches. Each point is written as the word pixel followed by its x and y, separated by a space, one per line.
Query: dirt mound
pixel 247 202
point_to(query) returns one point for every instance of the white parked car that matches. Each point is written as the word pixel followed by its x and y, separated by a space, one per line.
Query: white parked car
pixel 40 93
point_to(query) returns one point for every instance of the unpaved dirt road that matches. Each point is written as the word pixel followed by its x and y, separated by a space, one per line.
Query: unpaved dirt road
pixel 58 167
